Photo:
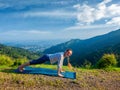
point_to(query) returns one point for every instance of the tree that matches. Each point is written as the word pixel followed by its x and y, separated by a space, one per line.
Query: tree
pixel 6 60
pixel 106 61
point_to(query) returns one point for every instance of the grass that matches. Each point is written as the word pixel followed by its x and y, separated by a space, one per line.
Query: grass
pixel 87 79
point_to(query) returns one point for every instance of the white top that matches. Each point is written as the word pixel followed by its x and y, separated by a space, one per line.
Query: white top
pixel 57 57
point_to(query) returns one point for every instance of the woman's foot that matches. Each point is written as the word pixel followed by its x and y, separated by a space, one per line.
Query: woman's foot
pixel 20 69
pixel 60 75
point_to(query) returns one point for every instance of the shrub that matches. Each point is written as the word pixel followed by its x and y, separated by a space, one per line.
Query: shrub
pixel 5 60
pixel 106 61
pixel 19 61
pixel 86 64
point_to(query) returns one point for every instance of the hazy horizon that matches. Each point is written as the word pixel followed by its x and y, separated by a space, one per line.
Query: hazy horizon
pixel 61 40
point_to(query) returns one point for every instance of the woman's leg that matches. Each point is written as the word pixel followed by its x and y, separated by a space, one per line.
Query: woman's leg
pixel 41 60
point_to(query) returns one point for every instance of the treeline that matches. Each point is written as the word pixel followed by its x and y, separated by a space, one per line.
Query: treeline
pixel 17 52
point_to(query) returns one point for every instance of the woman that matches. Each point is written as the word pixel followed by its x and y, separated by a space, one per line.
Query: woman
pixel 56 57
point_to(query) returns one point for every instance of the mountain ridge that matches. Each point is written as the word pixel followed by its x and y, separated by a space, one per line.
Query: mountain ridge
pixel 82 48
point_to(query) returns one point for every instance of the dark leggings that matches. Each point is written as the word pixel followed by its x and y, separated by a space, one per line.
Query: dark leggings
pixel 40 60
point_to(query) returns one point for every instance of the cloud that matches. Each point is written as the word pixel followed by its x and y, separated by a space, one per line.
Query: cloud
pixel 105 1
pixel 114 21
pixel 23 4
pixel 85 27
pixel 25 35
pixel 87 14
pixel 62 2
pixel 55 13
pixel 16 4
pixel 113 10
pixel 38 32
pixel 21 32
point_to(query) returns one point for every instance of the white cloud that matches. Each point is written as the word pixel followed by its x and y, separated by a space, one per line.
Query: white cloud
pixel 105 1
pixel 113 10
pixel 57 13
pixel 36 4
pixel 21 32
pixel 114 21
pixel 77 6
pixel 38 32
pixel 83 27
pixel 87 14
pixel 26 34
pixel 62 2
pixel 19 4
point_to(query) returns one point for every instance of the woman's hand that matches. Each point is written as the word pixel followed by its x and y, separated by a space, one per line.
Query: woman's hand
pixel 60 75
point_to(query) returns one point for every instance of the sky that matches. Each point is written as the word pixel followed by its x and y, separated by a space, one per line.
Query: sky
pixel 57 19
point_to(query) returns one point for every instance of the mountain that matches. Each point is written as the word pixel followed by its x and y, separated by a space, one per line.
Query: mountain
pixel 17 52
pixel 86 49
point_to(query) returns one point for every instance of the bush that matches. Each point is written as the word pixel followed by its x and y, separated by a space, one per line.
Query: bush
pixel 86 64
pixel 19 61
pixel 106 61
pixel 5 60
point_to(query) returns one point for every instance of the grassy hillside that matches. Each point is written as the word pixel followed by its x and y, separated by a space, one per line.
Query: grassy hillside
pixel 12 56
pixel 87 79
pixel 17 52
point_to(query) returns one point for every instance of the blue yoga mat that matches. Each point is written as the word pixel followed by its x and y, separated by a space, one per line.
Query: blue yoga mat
pixel 33 70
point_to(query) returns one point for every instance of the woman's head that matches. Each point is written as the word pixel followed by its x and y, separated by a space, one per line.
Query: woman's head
pixel 68 53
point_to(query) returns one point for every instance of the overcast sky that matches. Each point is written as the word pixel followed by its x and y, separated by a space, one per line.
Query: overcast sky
pixel 57 19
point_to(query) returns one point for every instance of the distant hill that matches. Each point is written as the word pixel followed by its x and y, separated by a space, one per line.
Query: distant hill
pixel 17 52
pixel 89 48
pixel 33 45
